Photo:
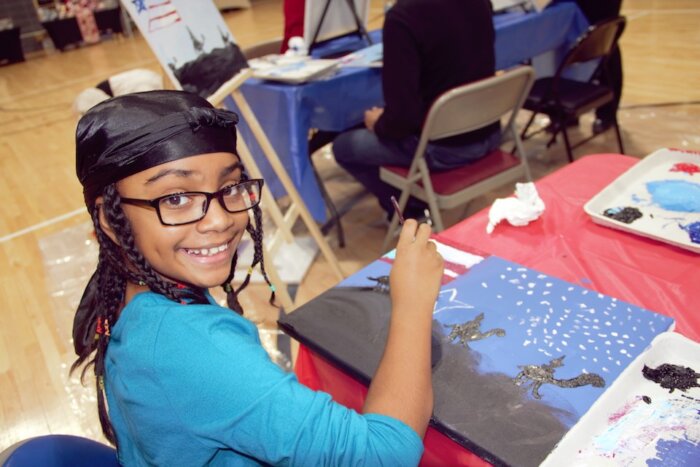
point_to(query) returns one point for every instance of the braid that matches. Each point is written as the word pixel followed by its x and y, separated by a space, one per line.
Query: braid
pixel 98 311
pixel 122 229
pixel 102 311
pixel 256 233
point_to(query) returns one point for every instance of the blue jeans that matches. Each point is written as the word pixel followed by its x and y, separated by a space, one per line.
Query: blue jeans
pixel 362 153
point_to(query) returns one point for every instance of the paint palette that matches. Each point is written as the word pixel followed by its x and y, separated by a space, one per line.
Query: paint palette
pixel 659 198
pixel 637 422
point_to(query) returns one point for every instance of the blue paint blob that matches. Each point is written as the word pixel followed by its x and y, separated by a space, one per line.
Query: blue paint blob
pixel 693 231
pixel 675 195
pixel 675 452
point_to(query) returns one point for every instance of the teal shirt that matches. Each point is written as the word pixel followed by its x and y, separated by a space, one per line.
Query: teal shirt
pixel 191 385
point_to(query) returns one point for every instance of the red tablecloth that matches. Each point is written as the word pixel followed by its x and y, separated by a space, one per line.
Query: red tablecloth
pixel 564 243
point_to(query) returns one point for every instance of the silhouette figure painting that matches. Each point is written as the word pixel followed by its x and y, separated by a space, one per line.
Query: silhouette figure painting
pixel 537 375
pixel 471 331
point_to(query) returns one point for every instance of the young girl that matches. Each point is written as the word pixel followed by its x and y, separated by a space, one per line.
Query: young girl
pixel 186 381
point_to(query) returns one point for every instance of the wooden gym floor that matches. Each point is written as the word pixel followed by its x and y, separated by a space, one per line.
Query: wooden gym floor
pixel 46 252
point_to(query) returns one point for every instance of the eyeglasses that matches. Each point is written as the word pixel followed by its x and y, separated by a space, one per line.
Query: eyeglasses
pixel 192 206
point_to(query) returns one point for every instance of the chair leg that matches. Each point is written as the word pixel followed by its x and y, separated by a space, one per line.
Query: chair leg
pixel 567 143
pixel 334 215
pixel 527 126
pixel 619 135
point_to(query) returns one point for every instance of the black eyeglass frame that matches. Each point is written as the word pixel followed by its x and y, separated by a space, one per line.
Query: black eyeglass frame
pixel 219 195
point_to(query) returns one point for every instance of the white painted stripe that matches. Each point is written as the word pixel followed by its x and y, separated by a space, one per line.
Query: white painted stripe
pixel 41 225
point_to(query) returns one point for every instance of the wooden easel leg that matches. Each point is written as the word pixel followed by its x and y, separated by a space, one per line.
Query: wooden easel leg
pixel 281 172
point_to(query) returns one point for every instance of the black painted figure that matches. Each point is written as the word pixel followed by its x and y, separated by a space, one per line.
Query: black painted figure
pixel 471 331
pixel 537 375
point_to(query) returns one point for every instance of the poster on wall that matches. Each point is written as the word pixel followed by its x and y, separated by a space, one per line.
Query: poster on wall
pixel 191 40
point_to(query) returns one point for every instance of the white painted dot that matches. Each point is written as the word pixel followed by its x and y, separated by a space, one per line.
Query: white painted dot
pixel 529 292
pixel 484 285
pixel 564 343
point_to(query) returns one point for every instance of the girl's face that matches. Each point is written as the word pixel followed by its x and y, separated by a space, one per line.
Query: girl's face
pixel 199 253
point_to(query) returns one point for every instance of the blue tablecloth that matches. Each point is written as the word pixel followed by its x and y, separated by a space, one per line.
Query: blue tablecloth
pixel 288 112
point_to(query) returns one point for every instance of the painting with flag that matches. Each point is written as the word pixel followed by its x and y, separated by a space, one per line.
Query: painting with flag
pixel 191 41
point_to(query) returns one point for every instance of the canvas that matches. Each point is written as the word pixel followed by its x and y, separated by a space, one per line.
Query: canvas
pixel 191 40
pixel 518 356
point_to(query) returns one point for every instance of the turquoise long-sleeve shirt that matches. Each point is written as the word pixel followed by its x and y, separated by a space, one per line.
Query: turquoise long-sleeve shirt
pixel 191 385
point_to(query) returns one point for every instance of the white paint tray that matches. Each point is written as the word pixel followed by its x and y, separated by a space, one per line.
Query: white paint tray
pixel 632 190
pixel 622 428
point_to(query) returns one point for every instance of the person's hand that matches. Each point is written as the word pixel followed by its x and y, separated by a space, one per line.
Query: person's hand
pixel 415 277
pixel 371 117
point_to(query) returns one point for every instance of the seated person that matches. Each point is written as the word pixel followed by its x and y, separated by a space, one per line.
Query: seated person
pixel 430 47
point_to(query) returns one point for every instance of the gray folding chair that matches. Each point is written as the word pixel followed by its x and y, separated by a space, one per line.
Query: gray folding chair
pixel 462 109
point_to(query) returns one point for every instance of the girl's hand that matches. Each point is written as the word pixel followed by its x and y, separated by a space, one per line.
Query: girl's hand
pixel 417 270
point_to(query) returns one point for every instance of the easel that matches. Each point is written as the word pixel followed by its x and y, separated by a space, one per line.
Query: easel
pixel 361 31
pixel 297 208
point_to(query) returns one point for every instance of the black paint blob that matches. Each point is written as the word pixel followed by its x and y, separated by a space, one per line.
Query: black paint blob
pixel 646 399
pixel 626 214
pixel 672 377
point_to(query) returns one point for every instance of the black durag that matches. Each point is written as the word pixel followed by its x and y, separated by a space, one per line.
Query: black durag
pixel 134 132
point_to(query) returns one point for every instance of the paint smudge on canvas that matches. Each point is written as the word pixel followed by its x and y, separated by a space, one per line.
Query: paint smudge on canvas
pixel 626 214
pixel 675 195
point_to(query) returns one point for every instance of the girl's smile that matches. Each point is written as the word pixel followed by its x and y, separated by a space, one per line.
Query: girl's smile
pixel 198 252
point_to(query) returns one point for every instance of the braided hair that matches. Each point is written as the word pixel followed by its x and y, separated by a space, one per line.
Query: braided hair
pixel 118 138
pixel 111 277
